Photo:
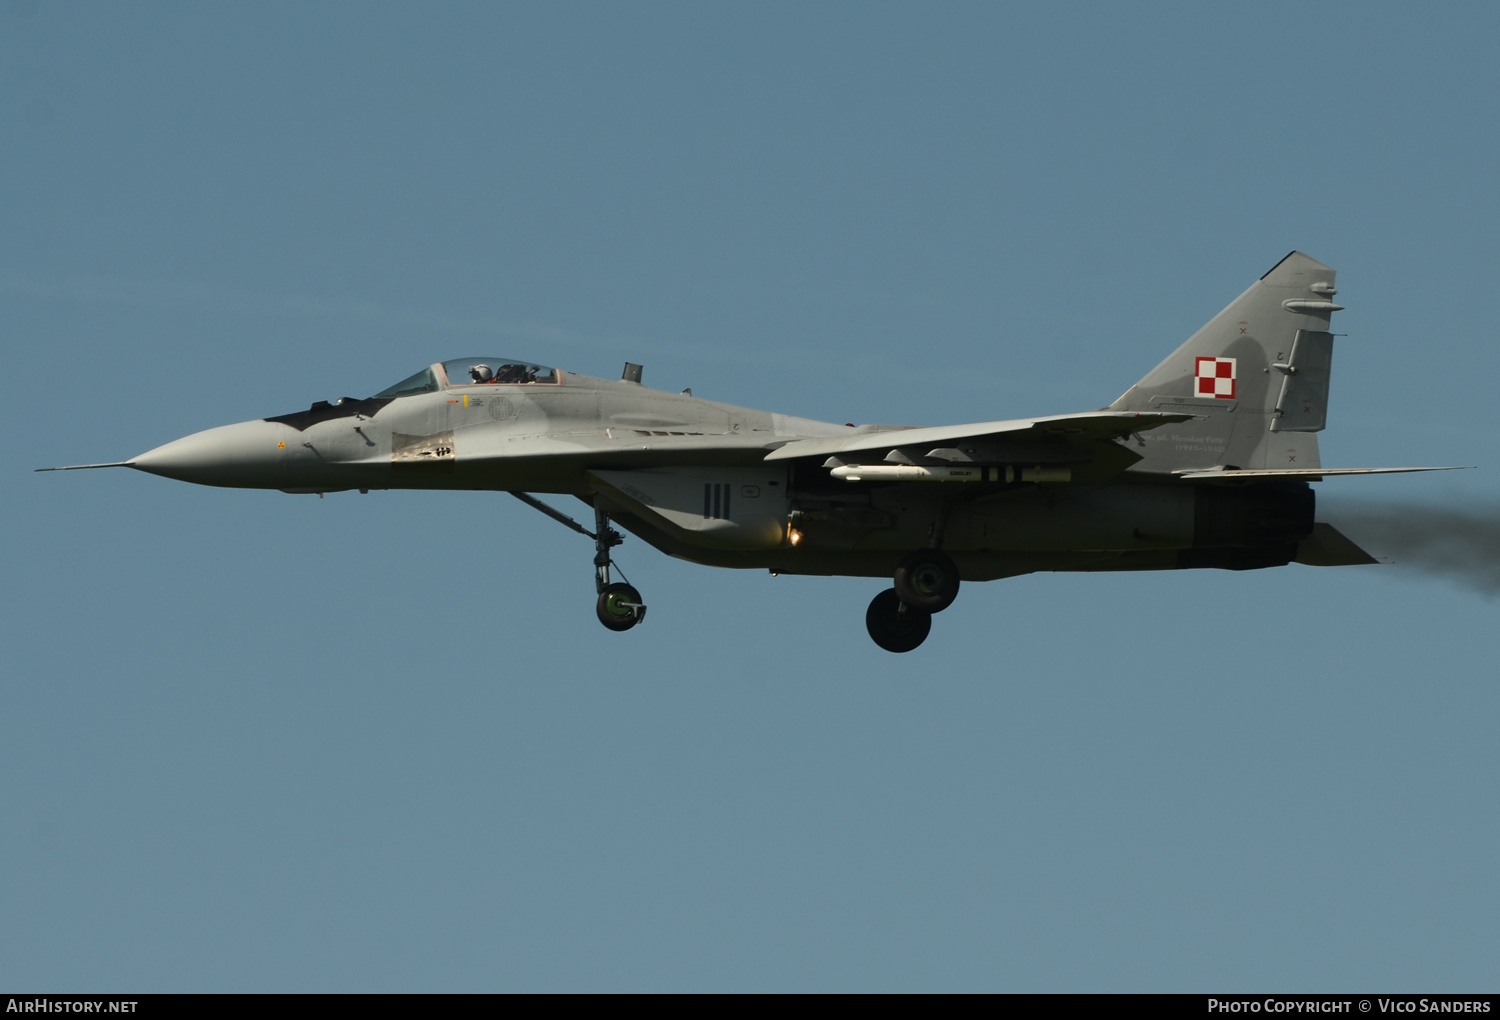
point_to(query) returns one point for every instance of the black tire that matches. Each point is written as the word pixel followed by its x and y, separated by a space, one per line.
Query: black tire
pixel 619 606
pixel 895 626
pixel 927 580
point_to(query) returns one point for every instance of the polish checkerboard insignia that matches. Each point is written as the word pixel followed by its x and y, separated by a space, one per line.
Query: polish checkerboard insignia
pixel 1215 378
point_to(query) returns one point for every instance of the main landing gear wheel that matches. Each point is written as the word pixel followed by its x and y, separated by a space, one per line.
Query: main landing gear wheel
pixel 619 606
pixel 894 625
pixel 927 580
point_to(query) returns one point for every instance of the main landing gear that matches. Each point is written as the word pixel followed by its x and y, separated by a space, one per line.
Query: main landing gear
pixel 894 625
pixel 619 606
pixel 900 618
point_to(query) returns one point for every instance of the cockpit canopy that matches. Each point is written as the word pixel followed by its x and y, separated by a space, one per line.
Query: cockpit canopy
pixel 474 372
pixel 497 371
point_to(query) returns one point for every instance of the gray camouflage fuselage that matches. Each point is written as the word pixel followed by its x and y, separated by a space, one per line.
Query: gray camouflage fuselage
pixel 1203 463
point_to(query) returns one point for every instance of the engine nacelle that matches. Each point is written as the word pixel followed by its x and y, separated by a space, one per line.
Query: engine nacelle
pixel 1264 515
pixel 1236 526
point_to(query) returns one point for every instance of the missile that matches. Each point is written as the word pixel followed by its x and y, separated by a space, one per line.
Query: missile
pixel 918 473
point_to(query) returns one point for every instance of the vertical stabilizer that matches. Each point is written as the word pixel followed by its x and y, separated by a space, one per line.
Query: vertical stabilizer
pixel 1256 376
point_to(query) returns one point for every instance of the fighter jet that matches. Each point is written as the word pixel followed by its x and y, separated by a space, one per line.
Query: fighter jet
pixel 1205 462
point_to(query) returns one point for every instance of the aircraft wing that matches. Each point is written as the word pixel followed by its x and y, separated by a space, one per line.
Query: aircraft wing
pixel 1089 427
pixel 1305 472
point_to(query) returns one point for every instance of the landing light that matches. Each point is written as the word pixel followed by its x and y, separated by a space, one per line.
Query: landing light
pixel 793 535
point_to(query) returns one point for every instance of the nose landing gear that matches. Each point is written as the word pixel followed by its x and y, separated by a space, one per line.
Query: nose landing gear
pixel 619 606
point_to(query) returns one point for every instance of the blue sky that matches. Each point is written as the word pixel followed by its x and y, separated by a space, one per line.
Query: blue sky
pixel 252 741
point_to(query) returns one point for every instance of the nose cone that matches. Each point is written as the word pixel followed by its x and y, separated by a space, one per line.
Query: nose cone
pixel 251 454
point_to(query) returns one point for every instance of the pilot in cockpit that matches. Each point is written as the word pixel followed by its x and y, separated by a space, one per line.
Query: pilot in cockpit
pixel 481 373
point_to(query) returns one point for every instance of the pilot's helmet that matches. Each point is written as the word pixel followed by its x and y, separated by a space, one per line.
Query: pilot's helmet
pixel 481 373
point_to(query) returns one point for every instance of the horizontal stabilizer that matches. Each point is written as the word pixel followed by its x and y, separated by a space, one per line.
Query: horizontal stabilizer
pixel 1092 426
pixel 1328 547
pixel 1312 473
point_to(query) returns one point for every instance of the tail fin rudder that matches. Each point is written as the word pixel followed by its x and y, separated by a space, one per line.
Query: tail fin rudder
pixel 1256 375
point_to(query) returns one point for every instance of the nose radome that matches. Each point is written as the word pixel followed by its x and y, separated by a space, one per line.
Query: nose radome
pixel 250 454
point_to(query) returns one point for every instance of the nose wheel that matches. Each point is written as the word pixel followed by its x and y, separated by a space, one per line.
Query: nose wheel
pixel 619 606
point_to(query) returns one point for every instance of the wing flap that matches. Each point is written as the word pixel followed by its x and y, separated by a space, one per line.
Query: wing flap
pixel 1093 426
